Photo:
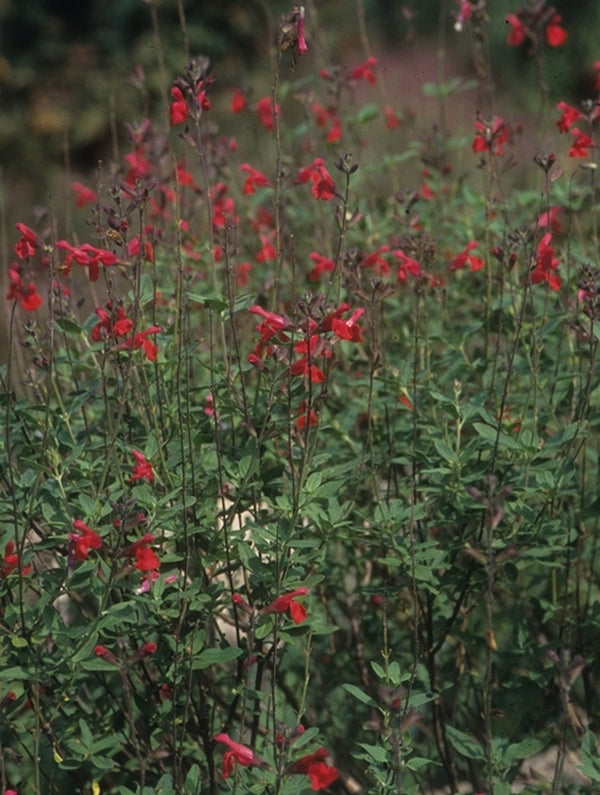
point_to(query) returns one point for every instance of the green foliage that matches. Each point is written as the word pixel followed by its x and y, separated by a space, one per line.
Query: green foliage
pixel 307 497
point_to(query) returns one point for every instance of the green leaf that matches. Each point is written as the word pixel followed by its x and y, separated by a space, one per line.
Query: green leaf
pixel 375 752
pixel 465 744
pixel 216 657
pixel 360 695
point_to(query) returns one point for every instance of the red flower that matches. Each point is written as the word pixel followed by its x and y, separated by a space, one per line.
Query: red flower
pixel 10 562
pixel 550 218
pixel 364 71
pixel 376 261
pixel 546 265
pixel 568 118
pixel 491 136
pixel 347 329
pixel 146 559
pixel 242 274
pixel 305 416
pixel 140 340
pixel 301 44
pixel 178 109
pixel 238 101
pixel 266 113
pixel 27 243
pixel 267 252
pixel 105 654
pixel 237 753
pixel 142 469
pixel 112 323
pixel 286 603
pixel 518 31
pixel 133 248
pixel 466 258
pixel 391 119
pixel 80 544
pixel 131 550
pixel 83 195
pixel 25 293
pixel 323 265
pixel 581 145
pixel 408 265
pixel 323 185
pixel 255 179
pixel 320 774
pixel 556 35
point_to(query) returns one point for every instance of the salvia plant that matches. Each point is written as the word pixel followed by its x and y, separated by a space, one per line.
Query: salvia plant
pixel 300 446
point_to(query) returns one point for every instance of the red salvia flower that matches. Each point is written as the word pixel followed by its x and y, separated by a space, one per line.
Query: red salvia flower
pixel 546 265
pixel 391 118
pixel 266 113
pixel 517 33
pixel 301 45
pixel 18 290
pixel 305 416
pixel 237 753
pixel 491 136
pixel 320 774
pixel 556 35
pixel 142 469
pixel 105 654
pixel 27 243
pixel 407 267
pixel 178 109
pixel 238 101
pixel 287 603
pixel 348 329
pixel 323 185
pixel 146 559
pixel 466 258
pixel 581 145
pixel 322 265
pixel 140 340
pixel 569 116
pixel 83 195
pixel 80 543
pixel 10 562
pixel 255 179
pixel 365 71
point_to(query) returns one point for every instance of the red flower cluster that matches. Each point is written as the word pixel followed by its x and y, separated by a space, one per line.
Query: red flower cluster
pixel 81 542
pixel 266 112
pixel 491 135
pixel 581 145
pixel 364 71
pixel 312 765
pixel 142 469
pixel 546 265
pixel 323 186
pixel 10 562
pixel 255 179
pixel 287 603
pixel 145 558
pixel 114 324
pixel 466 258
pixel 18 290
pixel 238 101
pixel 237 753
pixel 526 25
pixel 88 256
pixel 582 142
pixel 179 109
pixel 275 329
pixel 327 118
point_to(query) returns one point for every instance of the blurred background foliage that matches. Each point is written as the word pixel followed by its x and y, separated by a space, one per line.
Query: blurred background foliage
pixel 69 71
